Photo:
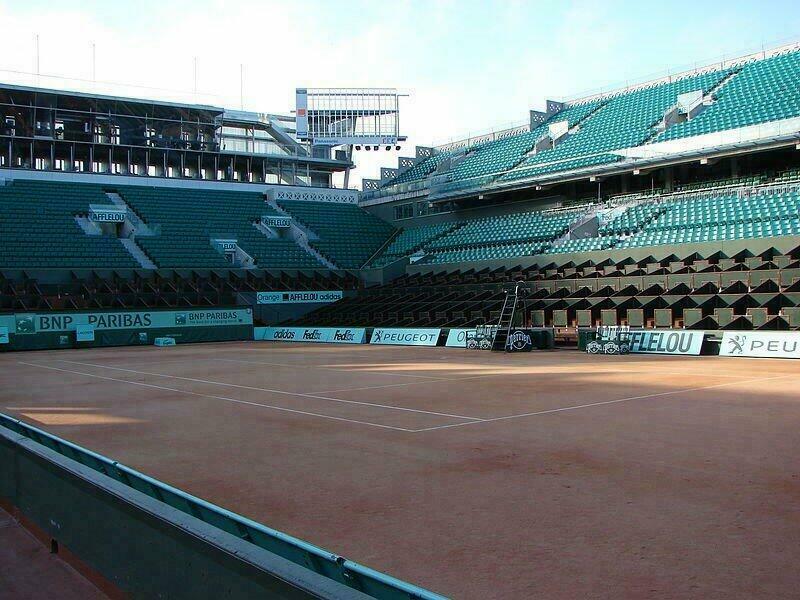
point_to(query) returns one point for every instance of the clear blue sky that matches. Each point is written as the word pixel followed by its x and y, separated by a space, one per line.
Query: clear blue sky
pixel 469 66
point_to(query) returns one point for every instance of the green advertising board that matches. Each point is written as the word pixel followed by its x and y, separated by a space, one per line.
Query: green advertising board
pixel 34 330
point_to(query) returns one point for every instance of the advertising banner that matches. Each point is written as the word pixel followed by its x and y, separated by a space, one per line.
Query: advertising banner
pixel 761 344
pixel 666 341
pixel 322 335
pixel 106 214
pixel 3 335
pixel 519 340
pixel 318 297
pixel 277 222
pixel 84 333
pixel 405 337
pixel 457 338
pixel 31 323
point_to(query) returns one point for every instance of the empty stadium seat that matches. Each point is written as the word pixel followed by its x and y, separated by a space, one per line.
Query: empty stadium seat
pixel 348 235
pixel 38 228
pixel 188 219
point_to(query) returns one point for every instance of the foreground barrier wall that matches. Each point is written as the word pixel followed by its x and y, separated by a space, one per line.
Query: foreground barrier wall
pixel 149 540
pixel 84 329
pixel 139 546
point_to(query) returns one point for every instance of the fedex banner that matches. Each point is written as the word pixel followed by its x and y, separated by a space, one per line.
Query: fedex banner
pixel 299 297
pixel 405 337
pixel 761 344
pixel 666 341
pixel 321 335
pixel 28 323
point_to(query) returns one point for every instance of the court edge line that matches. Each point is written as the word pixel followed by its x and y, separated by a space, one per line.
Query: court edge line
pixel 225 398
pixel 566 408
pixel 271 391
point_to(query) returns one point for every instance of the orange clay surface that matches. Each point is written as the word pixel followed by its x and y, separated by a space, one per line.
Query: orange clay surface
pixel 474 474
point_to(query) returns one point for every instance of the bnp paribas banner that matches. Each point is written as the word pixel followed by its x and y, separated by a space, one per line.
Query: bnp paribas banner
pixel 306 297
pixel 320 335
pixel 29 323
pixel 405 337
pixel 761 344
pixel 666 341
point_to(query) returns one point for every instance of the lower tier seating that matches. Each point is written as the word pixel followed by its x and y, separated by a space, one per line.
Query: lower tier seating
pixel 163 288
pixel 742 291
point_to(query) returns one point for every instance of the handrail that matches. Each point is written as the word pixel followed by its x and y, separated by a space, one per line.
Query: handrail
pixel 383 247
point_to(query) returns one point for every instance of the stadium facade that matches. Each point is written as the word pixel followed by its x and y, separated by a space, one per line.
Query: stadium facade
pixel 671 207
pixel 613 207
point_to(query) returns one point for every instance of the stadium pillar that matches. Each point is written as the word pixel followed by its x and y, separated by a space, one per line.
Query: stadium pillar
pixel 349 151
pixel 669 179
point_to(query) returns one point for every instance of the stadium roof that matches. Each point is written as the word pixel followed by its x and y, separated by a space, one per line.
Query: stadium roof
pixel 87 95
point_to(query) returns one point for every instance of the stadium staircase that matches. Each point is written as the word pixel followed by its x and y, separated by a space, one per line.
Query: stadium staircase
pixel 137 253
pixel 302 234
pixel 346 235
pixel 140 227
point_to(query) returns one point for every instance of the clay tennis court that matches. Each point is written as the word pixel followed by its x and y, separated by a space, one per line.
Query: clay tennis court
pixel 475 474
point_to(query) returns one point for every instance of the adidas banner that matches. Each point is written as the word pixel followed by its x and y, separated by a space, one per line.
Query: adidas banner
pixel 405 337
pixel 666 341
pixel 299 297
pixel 321 335
pixel 761 344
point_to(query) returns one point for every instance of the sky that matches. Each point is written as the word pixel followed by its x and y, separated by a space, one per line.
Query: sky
pixel 469 66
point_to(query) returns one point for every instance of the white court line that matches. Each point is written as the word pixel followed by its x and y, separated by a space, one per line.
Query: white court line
pixel 566 408
pixel 390 385
pixel 235 400
pixel 558 372
pixel 271 391
pixel 340 370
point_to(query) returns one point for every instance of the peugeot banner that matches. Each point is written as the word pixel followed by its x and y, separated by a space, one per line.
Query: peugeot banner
pixel 321 335
pixel 666 341
pixel 405 337
pixel 761 344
